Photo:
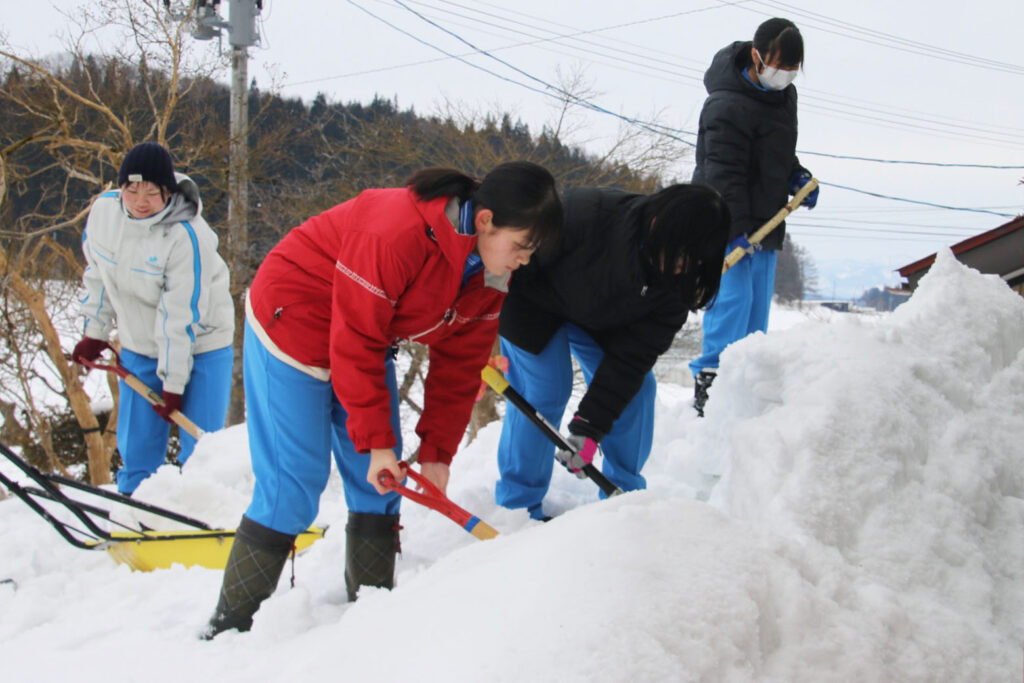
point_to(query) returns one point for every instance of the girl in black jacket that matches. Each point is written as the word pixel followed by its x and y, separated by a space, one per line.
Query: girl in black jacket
pixel 613 294
pixel 746 149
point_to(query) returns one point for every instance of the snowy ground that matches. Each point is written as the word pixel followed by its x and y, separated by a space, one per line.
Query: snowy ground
pixel 867 524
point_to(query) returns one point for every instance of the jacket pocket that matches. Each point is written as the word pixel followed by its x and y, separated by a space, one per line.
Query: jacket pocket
pixel 146 278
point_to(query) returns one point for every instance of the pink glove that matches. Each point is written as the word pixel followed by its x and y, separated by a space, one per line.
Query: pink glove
pixel 582 454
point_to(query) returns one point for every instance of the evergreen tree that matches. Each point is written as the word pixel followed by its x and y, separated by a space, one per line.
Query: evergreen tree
pixel 795 272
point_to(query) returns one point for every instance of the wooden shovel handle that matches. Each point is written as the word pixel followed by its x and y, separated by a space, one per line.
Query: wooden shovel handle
pixel 738 253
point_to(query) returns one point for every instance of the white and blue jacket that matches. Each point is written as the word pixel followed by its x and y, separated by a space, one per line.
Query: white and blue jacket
pixel 160 280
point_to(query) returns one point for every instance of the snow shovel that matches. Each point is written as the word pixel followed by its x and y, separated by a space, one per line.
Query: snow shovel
pixel 737 254
pixel 140 548
pixel 154 398
pixel 498 382
pixel 433 498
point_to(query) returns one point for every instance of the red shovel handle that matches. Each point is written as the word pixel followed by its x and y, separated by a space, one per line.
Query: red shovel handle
pixel 433 498
pixel 138 385
pixel 114 367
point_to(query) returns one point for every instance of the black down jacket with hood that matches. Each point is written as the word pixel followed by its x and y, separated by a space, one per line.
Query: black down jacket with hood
pixel 598 279
pixel 746 145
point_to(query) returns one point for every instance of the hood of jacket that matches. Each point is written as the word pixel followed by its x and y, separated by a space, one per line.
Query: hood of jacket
pixel 726 74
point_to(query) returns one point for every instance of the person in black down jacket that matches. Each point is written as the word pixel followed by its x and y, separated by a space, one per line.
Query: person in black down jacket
pixel 613 294
pixel 746 149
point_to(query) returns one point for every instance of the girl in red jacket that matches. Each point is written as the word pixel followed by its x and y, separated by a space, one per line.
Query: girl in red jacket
pixel 428 263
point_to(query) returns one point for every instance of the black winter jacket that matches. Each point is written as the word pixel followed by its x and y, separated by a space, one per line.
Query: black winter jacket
pixel 746 144
pixel 598 279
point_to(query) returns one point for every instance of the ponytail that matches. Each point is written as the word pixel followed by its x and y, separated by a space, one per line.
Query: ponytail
pixel 520 194
pixel 431 183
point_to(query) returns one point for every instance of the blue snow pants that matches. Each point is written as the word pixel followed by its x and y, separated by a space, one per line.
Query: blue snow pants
pixel 142 434
pixel 526 456
pixel 741 307
pixel 295 421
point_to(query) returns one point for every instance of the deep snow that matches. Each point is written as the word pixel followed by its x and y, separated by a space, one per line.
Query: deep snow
pixel 867 524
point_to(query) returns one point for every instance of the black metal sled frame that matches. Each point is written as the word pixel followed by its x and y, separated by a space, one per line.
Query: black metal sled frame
pixel 83 512
pixel 204 546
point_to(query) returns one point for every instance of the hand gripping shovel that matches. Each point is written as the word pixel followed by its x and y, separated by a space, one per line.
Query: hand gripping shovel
pixel 498 382
pixel 737 254
pixel 433 498
pixel 138 385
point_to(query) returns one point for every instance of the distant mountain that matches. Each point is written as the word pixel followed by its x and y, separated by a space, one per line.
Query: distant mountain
pixel 848 279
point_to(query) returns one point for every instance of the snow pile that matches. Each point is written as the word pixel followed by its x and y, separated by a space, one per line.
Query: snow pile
pixel 866 524
pixel 899 449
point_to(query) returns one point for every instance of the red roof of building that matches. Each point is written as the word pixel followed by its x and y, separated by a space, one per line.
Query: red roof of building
pixel 966 245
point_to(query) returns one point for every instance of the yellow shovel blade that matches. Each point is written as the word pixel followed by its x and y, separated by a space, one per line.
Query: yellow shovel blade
pixel 148 550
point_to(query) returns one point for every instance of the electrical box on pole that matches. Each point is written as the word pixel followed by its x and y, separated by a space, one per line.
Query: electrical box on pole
pixel 242 20
pixel 208 24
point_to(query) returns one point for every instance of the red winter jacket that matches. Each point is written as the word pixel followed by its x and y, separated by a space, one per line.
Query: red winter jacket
pixel 339 289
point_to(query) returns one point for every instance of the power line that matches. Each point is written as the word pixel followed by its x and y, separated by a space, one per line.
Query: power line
pixel 551 90
pixel 562 95
pixel 653 66
pixel 812 230
pixel 832 208
pixel 835 100
pixel 915 201
pixel 850 157
pixel 889 40
pixel 887 109
pixel 860 106
pixel 872 238
pixel 881 115
pixel 901 224
pixel 445 52
pixel 536 40
pixel 943 235
pixel 894 121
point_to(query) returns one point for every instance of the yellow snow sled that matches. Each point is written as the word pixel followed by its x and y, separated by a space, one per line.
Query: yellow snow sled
pixel 149 550
pixel 140 548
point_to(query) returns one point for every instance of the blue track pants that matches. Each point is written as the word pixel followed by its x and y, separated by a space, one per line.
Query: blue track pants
pixel 526 456
pixel 295 421
pixel 741 307
pixel 142 434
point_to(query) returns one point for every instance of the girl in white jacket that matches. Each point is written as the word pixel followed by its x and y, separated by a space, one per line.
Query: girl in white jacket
pixel 152 269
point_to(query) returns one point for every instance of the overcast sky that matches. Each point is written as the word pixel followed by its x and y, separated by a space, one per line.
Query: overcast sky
pixel 888 80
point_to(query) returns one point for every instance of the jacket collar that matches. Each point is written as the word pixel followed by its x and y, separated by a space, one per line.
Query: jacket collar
pixel 455 247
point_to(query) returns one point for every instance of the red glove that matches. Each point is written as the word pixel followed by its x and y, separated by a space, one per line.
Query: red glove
pixel 172 402
pixel 88 349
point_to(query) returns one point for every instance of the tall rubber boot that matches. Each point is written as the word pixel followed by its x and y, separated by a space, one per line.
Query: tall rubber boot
pixel 250 577
pixel 371 543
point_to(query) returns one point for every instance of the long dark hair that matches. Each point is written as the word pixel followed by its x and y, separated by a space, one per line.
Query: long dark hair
pixel 780 37
pixel 521 194
pixel 687 224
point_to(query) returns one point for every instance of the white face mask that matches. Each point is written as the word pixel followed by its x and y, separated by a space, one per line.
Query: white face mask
pixel 774 78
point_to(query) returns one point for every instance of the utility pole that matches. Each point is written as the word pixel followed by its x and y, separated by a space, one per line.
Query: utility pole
pixel 242 34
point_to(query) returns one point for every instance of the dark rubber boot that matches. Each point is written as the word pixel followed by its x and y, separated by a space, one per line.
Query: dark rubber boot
pixel 250 577
pixel 701 383
pixel 371 543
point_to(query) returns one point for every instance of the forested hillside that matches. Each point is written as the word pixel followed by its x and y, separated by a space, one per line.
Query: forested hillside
pixel 69 121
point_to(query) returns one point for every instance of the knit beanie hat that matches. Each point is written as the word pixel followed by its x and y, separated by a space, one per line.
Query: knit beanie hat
pixel 148 162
